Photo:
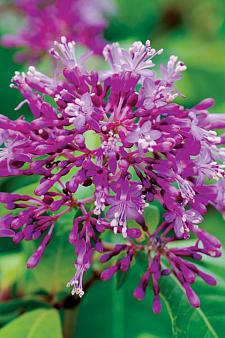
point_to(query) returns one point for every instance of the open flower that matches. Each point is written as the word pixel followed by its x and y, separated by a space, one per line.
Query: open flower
pixel 138 59
pixel 81 111
pixel 144 136
pixel 128 203
pixel 13 151
pixel 82 264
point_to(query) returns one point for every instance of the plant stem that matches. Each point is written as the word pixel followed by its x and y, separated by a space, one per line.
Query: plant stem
pixel 69 322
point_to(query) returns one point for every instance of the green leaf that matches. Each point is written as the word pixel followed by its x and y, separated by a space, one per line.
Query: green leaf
pixel 215 224
pixel 117 314
pixel 207 321
pixel 27 189
pixel 121 278
pixel 11 309
pixel 11 269
pixel 129 318
pixel 92 140
pixel 35 324
pixel 152 217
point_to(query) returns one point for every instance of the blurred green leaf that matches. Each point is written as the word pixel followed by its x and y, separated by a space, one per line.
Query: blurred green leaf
pixel 11 183
pixel 11 269
pixel 35 324
pixel 121 278
pixel 143 20
pixel 11 309
pixel 92 140
pixel 215 223
pixel 27 189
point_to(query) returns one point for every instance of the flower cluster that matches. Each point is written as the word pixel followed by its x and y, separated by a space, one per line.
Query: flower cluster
pixel 47 20
pixel 150 149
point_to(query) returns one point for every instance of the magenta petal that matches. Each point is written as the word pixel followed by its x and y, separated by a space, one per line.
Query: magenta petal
pixel 111 212
pixel 191 295
pixel 133 214
pixel 6 232
pixel 132 137
pixel 112 162
pixel 139 293
pixel 156 305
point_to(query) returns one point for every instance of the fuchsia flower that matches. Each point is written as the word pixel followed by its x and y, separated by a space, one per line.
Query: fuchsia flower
pixel 127 204
pixel 13 151
pixel 144 136
pixel 82 264
pixel 46 21
pixel 138 59
pixel 150 149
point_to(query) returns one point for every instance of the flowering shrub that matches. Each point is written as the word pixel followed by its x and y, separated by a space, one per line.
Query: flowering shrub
pixel 150 149
pixel 46 20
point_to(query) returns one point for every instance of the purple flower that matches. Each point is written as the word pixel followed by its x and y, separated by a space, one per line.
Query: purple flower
pixel 207 167
pixel 46 21
pixel 181 220
pixel 144 136
pixel 171 73
pixel 81 111
pixel 128 203
pixel 138 59
pixel 14 150
pixel 150 149
pixel 82 264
